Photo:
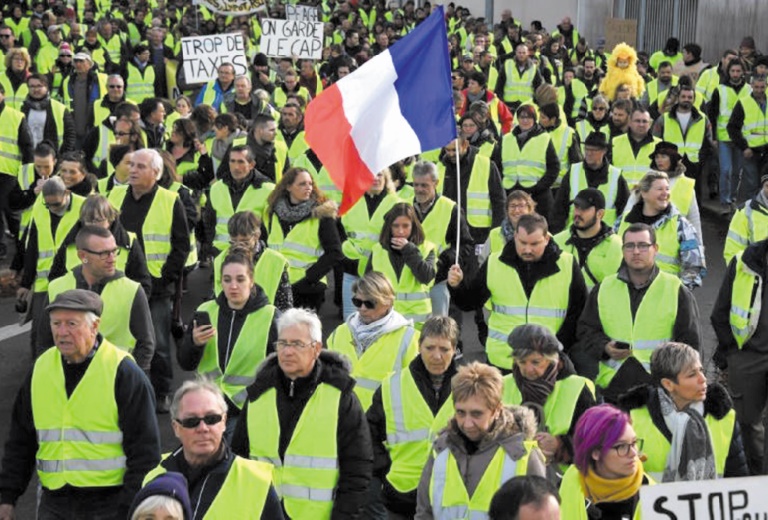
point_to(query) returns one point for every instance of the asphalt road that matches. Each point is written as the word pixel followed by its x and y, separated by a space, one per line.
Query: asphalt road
pixel 15 361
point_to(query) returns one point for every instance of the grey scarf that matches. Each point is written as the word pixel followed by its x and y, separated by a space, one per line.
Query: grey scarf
pixel 691 456
pixel 366 334
pixel 291 213
pixel 508 230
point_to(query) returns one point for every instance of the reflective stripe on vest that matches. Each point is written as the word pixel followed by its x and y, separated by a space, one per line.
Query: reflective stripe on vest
pixel 668 257
pixel 647 330
pixel 560 404
pixel 412 300
pixel 138 85
pixel 562 138
pixel 755 126
pixel 47 244
pixel 518 88
pixel 58 110
pixel 448 493
pixel 610 189
pixel 527 166
pixel 682 193
pixel 10 154
pixel 79 437
pixel 301 247
pixel 389 354
pixel 728 99
pixel 436 222
pixel 689 144
pixel 307 477
pixel 363 230
pixel 243 358
pixel 633 167
pixel 118 296
pixel 479 213
pixel 511 307
pixel 746 302
pixel 410 428
pixel 253 199
pixel 156 230
pixel 656 447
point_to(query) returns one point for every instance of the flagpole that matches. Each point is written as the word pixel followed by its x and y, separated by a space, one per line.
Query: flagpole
pixel 458 200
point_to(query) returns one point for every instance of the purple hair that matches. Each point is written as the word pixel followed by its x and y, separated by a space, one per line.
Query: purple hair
pixel 597 429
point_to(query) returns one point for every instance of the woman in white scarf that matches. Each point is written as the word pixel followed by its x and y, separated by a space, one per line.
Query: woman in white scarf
pixel 689 426
pixel 377 339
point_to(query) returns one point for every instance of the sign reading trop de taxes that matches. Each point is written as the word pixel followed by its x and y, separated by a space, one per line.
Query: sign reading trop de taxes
pixel 203 55
pixel 288 39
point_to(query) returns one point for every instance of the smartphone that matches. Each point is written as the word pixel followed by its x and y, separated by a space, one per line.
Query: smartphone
pixel 623 345
pixel 201 318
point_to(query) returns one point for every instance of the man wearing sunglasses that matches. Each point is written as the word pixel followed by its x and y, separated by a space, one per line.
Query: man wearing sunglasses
pixel 130 331
pixel 84 417
pixel 215 475
pixel 303 416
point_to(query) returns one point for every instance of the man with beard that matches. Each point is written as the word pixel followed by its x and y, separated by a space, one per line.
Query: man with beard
pixel 593 172
pixel 590 240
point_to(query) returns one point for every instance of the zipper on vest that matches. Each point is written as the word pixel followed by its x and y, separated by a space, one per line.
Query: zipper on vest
pixel 229 340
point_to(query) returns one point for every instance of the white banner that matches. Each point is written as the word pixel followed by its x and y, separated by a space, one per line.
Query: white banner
pixel 288 39
pixel 722 499
pixel 302 13
pixel 204 54
pixel 234 7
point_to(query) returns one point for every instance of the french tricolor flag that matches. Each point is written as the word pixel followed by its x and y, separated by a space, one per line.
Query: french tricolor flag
pixel 400 103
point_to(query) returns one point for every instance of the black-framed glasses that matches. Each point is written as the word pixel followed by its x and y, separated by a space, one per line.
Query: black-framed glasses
pixel 640 246
pixel 193 422
pixel 357 302
pixel 122 134
pixel 55 205
pixel 103 254
pixel 623 449
pixel 282 344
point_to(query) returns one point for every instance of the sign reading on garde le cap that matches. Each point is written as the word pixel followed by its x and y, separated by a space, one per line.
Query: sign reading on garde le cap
pixel 204 54
pixel 723 499
pixel 285 39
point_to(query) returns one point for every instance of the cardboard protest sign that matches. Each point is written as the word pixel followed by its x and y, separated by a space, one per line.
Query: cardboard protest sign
pixel 302 13
pixel 286 39
pixel 204 54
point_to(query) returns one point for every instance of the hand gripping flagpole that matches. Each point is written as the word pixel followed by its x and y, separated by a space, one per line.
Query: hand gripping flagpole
pixel 458 200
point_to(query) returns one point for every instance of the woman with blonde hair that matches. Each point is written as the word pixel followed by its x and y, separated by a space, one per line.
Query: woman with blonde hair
pixel 490 443
pixel 14 80
pixel 301 224
pixel 681 250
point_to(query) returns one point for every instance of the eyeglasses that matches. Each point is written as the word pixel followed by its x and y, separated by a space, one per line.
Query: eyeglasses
pixel 5 36
pixel 54 205
pixel 281 344
pixel 357 302
pixel 623 449
pixel 122 134
pixel 599 109
pixel 103 254
pixel 640 246
pixel 518 206
pixel 192 422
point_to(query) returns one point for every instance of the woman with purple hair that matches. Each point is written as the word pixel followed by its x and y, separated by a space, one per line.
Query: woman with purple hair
pixel 607 472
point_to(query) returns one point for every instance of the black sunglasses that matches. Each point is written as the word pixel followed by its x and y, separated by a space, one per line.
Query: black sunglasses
pixel 193 422
pixel 357 302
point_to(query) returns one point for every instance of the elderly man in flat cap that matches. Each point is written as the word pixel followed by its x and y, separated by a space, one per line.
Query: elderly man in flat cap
pixel 84 417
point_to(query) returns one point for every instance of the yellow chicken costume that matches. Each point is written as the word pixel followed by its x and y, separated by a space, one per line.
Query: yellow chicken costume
pixel 622 69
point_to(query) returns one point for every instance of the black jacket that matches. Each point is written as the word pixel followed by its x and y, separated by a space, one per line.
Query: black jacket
pixel 50 132
pixel 403 503
pixel 472 293
pixel 352 434
pixel 717 404
pixel 205 483
pixel 136 419
pixel 135 265
pixel 592 339
pixel 230 323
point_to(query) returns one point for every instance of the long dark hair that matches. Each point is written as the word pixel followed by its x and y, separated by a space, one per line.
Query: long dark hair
pixel 401 209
